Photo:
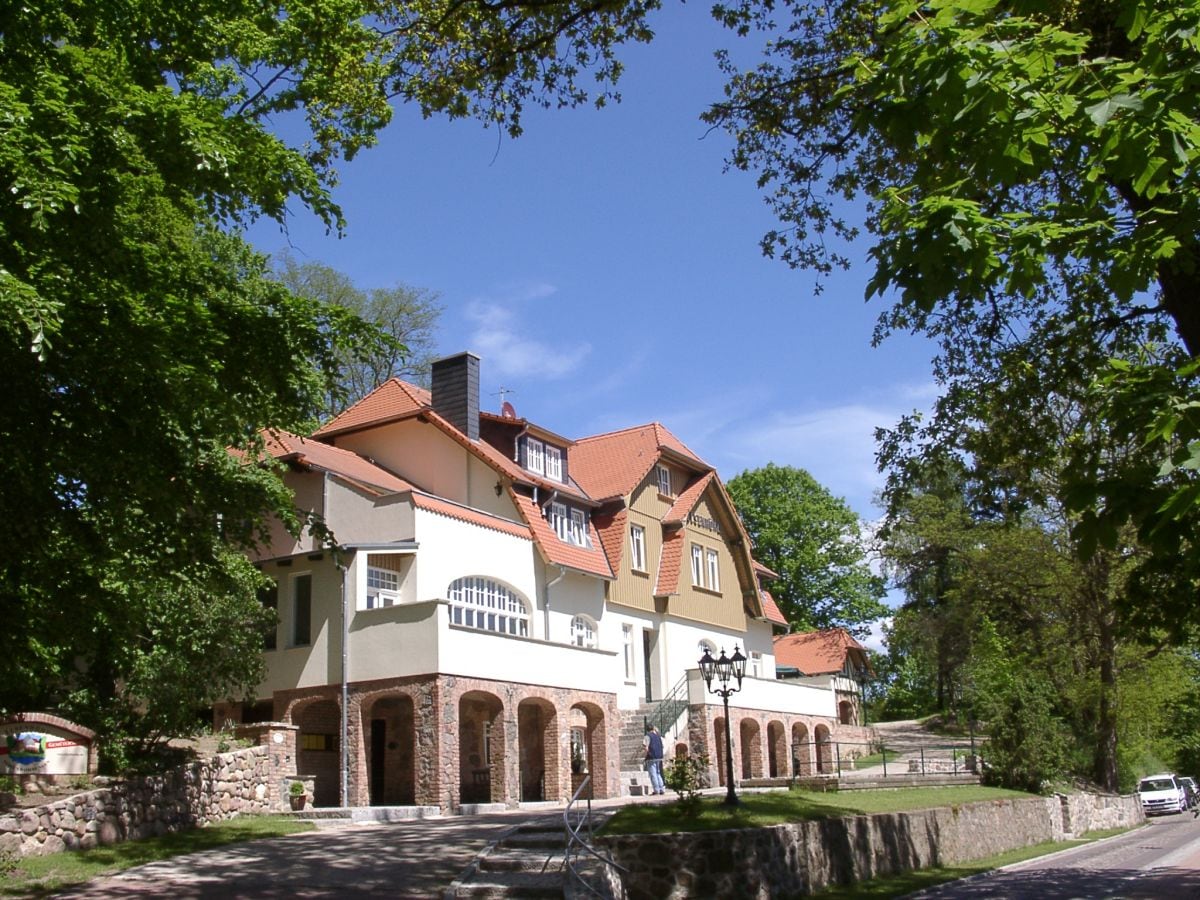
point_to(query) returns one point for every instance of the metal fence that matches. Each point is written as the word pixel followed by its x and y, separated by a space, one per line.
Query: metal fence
pixel 846 759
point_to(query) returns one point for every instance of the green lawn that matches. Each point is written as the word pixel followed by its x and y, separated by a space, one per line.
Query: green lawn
pixel 41 875
pixel 777 807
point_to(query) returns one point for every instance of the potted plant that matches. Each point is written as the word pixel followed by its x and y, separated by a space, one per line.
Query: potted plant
pixel 296 795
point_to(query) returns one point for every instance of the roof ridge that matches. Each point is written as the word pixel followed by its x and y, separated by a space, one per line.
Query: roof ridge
pixel 616 431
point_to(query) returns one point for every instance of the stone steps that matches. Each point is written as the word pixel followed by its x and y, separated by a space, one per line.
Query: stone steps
pixel 527 862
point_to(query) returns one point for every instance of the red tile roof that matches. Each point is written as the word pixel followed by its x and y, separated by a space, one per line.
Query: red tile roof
pixel 819 652
pixel 764 572
pixel 284 445
pixel 612 528
pixel 589 560
pixel 394 399
pixel 669 564
pixel 771 610
pixel 613 464
pixel 686 502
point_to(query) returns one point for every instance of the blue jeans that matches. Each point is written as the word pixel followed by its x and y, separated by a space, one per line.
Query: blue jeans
pixel 654 770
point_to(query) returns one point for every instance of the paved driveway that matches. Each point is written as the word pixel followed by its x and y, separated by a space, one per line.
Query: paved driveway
pixel 404 859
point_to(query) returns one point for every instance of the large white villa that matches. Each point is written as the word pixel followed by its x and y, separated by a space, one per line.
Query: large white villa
pixel 504 602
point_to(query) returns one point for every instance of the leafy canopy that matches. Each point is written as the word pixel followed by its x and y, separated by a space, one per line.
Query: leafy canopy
pixel 815 543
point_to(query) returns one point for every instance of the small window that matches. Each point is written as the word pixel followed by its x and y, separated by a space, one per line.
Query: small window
pixel 535 455
pixel 560 521
pixel 269 598
pixel 318 741
pixel 579 532
pixel 583 632
pixel 637 548
pixel 697 566
pixel 301 610
pixel 383 587
pixel 554 463
pixel 630 659
pixel 756 664
pixel 664 481
pixel 714 571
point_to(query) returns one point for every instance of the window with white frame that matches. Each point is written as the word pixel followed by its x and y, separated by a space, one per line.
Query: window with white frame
pixel 664 480
pixel 630 659
pixel 488 605
pixel 559 520
pixel 579 531
pixel 569 524
pixel 697 566
pixel 383 587
pixel 583 632
pixel 535 455
pixel 637 548
pixel 756 664
pixel 554 460
pixel 713 583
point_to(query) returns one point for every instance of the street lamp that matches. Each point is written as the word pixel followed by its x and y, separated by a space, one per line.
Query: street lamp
pixel 724 669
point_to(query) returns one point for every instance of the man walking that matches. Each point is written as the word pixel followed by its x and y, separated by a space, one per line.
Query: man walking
pixel 654 759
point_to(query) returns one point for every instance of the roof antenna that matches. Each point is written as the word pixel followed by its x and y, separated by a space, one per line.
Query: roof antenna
pixel 506 409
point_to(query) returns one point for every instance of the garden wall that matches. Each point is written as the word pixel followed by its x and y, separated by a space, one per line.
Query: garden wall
pixel 803 857
pixel 253 780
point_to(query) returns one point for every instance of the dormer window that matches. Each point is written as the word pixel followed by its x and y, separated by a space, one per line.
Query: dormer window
pixel 664 481
pixel 569 524
pixel 554 463
pixel 535 456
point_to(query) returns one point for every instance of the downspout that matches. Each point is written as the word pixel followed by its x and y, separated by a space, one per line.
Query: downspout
pixel 562 573
pixel 345 723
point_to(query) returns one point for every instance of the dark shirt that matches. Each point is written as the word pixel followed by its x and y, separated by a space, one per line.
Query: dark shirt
pixel 654 749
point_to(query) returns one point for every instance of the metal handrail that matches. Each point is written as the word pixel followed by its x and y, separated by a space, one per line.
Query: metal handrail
pixel 576 843
pixel 668 710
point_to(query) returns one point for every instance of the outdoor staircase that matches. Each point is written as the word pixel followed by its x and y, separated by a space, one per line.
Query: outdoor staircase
pixel 664 714
pixel 526 862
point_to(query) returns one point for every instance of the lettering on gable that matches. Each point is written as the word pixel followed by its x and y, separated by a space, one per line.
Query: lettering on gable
pixel 704 522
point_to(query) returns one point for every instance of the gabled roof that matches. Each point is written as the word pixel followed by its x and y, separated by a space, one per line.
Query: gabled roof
pixel 820 652
pixel 613 464
pixel 771 611
pixel 288 447
pixel 686 502
pixel 669 564
pixel 472 516
pixel 392 400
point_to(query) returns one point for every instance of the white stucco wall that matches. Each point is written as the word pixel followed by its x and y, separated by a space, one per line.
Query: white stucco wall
pixel 795 697
pixel 319 662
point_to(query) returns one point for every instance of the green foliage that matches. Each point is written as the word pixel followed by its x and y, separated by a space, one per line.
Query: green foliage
pixel 1028 744
pixel 687 775
pixel 140 338
pixel 815 543
pixel 296 789
pixel 405 318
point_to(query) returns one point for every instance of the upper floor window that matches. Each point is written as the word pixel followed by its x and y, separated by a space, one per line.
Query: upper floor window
pixel 664 480
pixel 627 647
pixel 713 583
pixel 489 605
pixel 637 548
pixel 697 566
pixel 756 664
pixel 269 598
pixel 301 610
pixel 583 632
pixel 383 587
pixel 554 463
pixel 535 455
pixel 569 524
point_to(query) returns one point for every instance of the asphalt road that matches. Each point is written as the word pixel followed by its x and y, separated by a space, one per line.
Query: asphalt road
pixel 1160 861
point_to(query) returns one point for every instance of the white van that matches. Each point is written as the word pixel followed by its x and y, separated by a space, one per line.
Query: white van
pixel 1162 794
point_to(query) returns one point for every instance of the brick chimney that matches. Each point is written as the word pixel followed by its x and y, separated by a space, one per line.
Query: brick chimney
pixel 456 392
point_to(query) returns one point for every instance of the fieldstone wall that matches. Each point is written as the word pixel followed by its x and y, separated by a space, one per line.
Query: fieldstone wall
pixel 801 858
pixel 253 780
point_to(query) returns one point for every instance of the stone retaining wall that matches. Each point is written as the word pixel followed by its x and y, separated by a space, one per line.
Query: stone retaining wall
pixel 253 780
pixel 800 858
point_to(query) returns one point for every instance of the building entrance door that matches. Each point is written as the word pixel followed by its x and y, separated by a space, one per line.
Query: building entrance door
pixel 647 655
pixel 378 760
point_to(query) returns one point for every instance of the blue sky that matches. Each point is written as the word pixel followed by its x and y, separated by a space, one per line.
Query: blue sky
pixel 607 271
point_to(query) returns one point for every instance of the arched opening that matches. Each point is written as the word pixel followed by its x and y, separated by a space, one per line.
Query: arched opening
pixel 719 742
pixel 681 749
pixel 589 730
pixel 319 724
pixel 846 712
pixel 824 750
pixel 801 751
pixel 776 750
pixel 751 735
pixel 537 746
pixel 481 748
pixel 389 739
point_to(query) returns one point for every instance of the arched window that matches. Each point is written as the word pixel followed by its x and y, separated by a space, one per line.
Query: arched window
pixel 488 605
pixel 583 632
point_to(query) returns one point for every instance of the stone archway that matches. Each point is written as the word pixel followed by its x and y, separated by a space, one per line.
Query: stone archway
pixel 595 746
pixel 751 735
pixel 318 723
pixel 537 749
pixel 777 766
pixel 390 747
pixel 846 713
pixel 481 748
pixel 801 751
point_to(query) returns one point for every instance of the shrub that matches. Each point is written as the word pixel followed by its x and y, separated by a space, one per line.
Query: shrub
pixel 687 776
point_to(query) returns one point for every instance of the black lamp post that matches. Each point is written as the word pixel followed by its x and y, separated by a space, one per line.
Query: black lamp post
pixel 724 669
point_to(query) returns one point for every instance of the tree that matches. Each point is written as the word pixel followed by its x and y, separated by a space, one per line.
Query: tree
pixel 404 316
pixel 1028 174
pixel 140 338
pixel 815 543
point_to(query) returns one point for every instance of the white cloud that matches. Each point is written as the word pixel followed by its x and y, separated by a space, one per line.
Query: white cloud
pixel 499 334
pixel 875 639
